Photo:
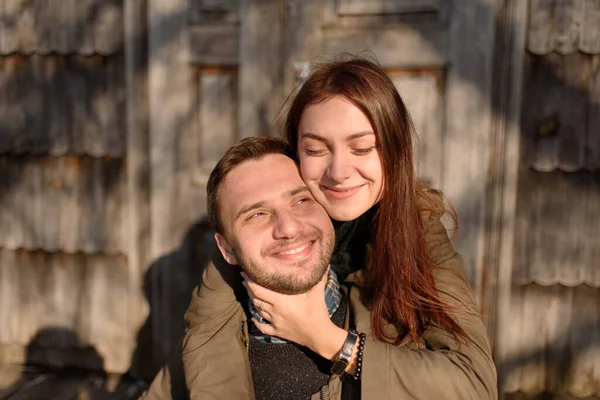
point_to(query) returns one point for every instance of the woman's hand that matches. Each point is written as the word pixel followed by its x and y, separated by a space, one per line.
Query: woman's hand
pixel 303 318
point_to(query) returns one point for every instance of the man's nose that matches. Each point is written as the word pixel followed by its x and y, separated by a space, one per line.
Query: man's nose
pixel 287 225
pixel 340 167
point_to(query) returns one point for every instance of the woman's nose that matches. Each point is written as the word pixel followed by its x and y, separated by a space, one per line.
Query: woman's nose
pixel 340 168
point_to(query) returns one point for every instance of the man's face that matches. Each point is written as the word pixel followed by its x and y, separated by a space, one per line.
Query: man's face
pixel 273 227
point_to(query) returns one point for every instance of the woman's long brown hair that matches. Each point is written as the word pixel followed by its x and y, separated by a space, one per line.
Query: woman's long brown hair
pixel 400 286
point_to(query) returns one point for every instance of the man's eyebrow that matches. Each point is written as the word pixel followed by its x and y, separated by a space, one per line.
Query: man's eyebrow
pixel 293 192
pixel 322 139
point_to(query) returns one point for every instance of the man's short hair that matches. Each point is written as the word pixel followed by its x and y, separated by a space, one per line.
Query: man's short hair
pixel 251 148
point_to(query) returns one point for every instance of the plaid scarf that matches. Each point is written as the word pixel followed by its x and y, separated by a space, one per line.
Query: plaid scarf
pixel 333 296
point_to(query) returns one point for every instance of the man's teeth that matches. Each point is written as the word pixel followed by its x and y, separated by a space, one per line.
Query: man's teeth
pixel 296 250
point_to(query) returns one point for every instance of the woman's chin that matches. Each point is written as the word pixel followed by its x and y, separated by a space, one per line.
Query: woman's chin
pixel 346 213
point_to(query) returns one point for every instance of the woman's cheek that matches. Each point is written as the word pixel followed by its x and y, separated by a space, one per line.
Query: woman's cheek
pixel 309 168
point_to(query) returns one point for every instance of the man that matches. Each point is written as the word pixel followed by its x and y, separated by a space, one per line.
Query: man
pixel 267 221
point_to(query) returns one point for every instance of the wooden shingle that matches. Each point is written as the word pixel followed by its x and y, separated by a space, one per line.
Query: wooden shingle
pixel 564 26
pixel 61 26
pixel 60 105
pixel 557 230
pixel 560 112
pixel 66 204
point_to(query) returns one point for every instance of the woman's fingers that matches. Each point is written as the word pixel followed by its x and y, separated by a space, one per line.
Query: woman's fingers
pixel 257 291
pixel 267 329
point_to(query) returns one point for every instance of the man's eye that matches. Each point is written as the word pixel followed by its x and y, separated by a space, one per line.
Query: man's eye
pixel 256 215
pixel 303 200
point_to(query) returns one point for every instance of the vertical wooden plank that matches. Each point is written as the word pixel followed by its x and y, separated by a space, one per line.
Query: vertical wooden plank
pixel 526 219
pixel 77 97
pixel 65 273
pixel 573 110
pixel 584 347
pixel 44 22
pixel 65 34
pixel 115 207
pixel 568 15
pixel 509 376
pixel 37 136
pixel 557 305
pixel 109 107
pixel 574 255
pixel 108 27
pixel 8 36
pixel 260 73
pixel 540 32
pixel 6 172
pixel 544 95
pixel 467 140
pixel 31 202
pixel 545 268
pixel 58 108
pixel 16 233
pixel 70 207
pixel 533 337
pixel 137 154
pixel 14 118
pixel 5 189
pixel 107 290
pixel 9 296
pixel 91 227
pixel 592 232
pixel 592 161
pixel 51 197
pixel 85 38
pixel 25 29
pixel 589 30
pixel 33 291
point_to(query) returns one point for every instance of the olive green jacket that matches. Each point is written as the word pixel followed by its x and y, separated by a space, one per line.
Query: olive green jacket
pixel 215 357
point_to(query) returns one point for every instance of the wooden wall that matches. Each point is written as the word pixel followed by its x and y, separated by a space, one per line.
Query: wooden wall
pixel 112 114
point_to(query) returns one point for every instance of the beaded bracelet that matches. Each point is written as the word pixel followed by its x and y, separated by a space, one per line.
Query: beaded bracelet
pixel 361 347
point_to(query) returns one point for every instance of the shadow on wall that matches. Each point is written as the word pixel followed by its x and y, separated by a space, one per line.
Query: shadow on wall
pixel 57 366
pixel 168 286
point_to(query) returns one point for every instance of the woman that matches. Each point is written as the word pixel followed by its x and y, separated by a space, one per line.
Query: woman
pixel 353 138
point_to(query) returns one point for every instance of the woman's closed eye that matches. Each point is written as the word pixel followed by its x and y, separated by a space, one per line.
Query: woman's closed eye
pixel 363 151
pixel 315 152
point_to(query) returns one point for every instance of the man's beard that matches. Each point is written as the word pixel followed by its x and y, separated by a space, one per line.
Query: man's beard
pixel 283 280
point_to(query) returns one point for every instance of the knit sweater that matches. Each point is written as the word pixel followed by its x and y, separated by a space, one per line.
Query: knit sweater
pixel 287 370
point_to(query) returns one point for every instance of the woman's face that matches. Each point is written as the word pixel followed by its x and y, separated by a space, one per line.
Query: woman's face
pixel 339 161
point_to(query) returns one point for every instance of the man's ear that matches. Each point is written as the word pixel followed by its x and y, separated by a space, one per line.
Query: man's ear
pixel 226 249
